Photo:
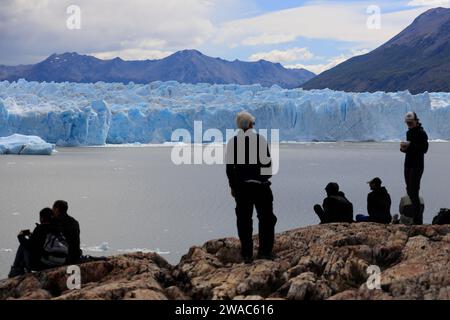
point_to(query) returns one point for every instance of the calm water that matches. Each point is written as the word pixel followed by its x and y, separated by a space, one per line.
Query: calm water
pixel 128 198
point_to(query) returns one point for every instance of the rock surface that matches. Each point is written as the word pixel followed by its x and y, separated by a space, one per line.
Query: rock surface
pixel 317 262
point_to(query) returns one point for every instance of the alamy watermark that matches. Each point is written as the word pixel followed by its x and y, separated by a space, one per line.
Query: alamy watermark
pixel 374 19
pixel 374 280
pixel 208 147
pixel 73 22
pixel 74 279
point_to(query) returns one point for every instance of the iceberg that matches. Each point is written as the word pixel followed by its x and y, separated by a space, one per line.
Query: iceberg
pixel 103 247
pixel 74 114
pixel 25 145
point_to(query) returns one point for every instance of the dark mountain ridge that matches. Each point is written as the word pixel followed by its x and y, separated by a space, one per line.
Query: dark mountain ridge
pixel 189 66
pixel 417 59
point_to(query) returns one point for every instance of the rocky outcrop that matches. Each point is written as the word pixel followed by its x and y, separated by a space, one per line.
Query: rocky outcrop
pixel 335 261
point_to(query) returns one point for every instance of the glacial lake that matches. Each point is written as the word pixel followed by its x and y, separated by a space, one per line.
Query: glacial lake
pixel 135 198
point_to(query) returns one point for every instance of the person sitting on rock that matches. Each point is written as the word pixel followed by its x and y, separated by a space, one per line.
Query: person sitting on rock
pixel 336 207
pixel 31 248
pixel 443 217
pixel 378 204
pixel 70 229
pixel 408 211
pixel 248 170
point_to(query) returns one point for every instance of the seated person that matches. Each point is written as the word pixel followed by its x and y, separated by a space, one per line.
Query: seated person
pixel 378 204
pixel 407 210
pixel 31 248
pixel 70 229
pixel 443 217
pixel 336 207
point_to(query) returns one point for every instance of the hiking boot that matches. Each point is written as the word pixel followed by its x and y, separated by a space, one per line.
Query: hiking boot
pixel 395 219
pixel 267 256
pixel 247 260
pixel 15 272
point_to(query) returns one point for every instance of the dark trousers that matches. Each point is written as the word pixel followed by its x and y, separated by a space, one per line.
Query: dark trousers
pixel 22 262
pixel 259 196
pixel 362 218
pixel 413 177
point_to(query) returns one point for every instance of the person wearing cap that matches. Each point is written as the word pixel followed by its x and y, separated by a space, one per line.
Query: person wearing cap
pixel 378 204
pixel 415 147
pixel 336 207
pixel 248 168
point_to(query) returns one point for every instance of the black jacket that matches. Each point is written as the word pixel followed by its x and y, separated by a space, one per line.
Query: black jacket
pixel 418 139
pixel 443 217
pixel 379 206
pixel 35 242
pixel 338 208
pixel 240 166
pixel 71 231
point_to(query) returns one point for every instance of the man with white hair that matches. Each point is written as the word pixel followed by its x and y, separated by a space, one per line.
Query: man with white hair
pixel 415 148
pixel 249 170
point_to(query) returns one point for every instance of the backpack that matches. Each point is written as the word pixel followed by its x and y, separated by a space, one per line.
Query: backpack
pixel 443 217
pixel 55 250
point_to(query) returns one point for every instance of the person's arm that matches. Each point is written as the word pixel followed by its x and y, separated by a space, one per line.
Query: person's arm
pixel 389 202
pixel 370 208
pixel 77 239
pixel 32 239
pixel 266 157
pixel 419 144
pixel 326 210
pixel 23 240
pixel 230 164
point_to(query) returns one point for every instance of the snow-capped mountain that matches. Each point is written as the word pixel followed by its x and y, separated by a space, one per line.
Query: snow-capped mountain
pixel 188 66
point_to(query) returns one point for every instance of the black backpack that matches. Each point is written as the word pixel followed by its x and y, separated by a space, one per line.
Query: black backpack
pixel 443 217
pixel 55 250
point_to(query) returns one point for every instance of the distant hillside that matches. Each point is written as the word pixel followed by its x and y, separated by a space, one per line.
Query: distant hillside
pixel 417 59
pixel 188 66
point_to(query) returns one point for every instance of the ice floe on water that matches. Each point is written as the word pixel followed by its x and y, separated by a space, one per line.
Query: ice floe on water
pixel 103 247
pixel 25 145
pixel 144 250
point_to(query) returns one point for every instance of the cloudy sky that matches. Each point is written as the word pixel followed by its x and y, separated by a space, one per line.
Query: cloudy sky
pixel 313 34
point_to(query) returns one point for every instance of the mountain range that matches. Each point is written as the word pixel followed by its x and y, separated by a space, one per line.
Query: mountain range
pixel 417 59
pixel 190 66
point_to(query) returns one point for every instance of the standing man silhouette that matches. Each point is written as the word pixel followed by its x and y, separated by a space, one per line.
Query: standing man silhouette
pixel 249 170
pixel 415 148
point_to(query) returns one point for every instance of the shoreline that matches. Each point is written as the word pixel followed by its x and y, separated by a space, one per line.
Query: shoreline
pixel 282 143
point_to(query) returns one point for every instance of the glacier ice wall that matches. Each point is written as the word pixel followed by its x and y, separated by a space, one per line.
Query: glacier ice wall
pixel 93 114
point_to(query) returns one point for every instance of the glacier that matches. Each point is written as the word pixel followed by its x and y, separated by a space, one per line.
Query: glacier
pixel 74 114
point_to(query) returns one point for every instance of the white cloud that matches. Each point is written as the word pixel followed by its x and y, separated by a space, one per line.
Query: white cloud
pixel 31 29
pixel 330 21
pixel 330 63
pixel 428 3
pixel 265 39
pixel 289 55
pixel 143 29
